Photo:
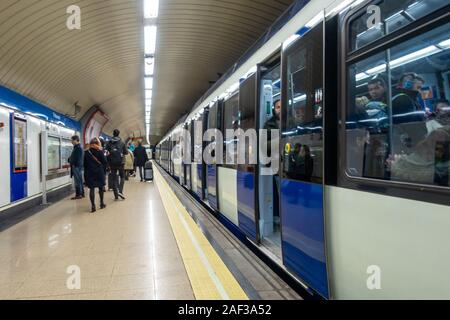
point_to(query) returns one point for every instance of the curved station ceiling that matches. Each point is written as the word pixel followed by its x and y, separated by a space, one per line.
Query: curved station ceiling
pixel 102 63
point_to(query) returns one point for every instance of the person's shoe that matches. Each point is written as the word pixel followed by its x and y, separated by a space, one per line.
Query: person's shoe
pixel 102 206
pixel 76 198
pixel 121 196
pixel 93 209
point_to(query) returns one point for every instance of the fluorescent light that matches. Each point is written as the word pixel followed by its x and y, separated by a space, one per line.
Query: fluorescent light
pixel 428 51
pixel 151 8
pixel 300 98
pixel 150 39
pixel 148 83
pixel 445 44
pixel 416 55
pixel 377 69
pixel 361 76
pixel 148 94
pixel 149 66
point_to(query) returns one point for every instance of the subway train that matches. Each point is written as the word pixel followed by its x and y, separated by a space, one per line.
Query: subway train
pixel 29 131
pixel 360 206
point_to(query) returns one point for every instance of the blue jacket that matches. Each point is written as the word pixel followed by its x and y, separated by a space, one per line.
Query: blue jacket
pixel 76 158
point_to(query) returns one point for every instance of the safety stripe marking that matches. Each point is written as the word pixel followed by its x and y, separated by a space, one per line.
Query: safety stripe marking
pixel 208 287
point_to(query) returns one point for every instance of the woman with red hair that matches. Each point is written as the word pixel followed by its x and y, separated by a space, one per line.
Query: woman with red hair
pixel 95 164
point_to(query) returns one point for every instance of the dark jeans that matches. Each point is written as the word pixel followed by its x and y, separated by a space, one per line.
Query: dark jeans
pixel 78 178
pixel 117 186
pixel 101 192
pixel 141 174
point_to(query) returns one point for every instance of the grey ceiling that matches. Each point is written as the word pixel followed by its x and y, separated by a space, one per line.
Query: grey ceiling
pixel 103 62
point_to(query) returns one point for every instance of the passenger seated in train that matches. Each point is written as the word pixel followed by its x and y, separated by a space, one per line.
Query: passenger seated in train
pixel 429 163
pixel 408 96
pixel 377 107
pixel 440 117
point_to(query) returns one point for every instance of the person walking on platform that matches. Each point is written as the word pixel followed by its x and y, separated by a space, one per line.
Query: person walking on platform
pixel 76 167
pixel 95 172
pixel 140 154
pixel 116 151
pixel 129 164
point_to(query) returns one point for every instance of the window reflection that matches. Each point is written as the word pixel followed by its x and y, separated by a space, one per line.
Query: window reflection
pixel 398 124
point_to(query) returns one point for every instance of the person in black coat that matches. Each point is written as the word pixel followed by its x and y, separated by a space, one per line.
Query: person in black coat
pixel 141 157
pixel 95 164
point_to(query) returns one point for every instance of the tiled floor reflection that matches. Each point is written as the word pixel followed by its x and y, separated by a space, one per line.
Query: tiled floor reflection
pixel 126 251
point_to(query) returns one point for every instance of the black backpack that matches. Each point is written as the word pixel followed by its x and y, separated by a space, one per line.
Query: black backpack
pixel 115 158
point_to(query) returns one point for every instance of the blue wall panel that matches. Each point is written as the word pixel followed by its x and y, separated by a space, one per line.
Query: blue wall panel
pixel 23 104
pixel 246 203
pixel 303 237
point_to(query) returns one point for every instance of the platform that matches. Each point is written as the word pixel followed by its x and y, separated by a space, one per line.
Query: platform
pixel 146 247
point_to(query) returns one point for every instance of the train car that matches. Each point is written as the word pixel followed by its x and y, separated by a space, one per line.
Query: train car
pixel 27 127
pixel 359 208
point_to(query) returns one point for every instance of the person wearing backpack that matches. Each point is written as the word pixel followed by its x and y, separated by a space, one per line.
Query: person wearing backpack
pixel 116 159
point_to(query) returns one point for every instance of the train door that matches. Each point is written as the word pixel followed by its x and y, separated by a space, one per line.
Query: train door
pixel 247 173
pixel 268 180
pixel 211 168
pixel 18 152
pixel 188 149
pixel 185 172
pixel 199 146
pixel 302 161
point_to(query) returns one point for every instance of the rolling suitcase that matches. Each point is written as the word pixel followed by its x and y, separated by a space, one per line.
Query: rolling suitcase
pixel 148 171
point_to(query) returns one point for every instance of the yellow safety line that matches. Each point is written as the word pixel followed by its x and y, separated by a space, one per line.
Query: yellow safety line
pixel 210 278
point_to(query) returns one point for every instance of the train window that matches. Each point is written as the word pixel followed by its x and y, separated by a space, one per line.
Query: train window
pixel 302 129
pixel 54 155
pixel 20 145
pixel 247 112
pixel 385 17
pixel 66 151
pixel 212 119
pixel 230 122
pixel 198 139
pixel 398 115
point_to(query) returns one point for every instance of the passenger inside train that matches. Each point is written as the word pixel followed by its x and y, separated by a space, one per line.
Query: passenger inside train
pixel 406 135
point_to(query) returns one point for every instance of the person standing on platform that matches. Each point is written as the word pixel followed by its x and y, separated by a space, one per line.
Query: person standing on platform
pixel 76 167
pixel 141 157
pixel 116 152
pixel 95 172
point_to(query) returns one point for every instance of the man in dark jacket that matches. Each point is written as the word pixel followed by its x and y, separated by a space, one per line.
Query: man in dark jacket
pixel 116 152
pixel 76 167
pixel 140 158
pixel 408 98
pixel 274 122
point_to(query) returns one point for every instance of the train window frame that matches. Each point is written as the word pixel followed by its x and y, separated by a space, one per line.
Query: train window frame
pixel 361 9
pixel 294 47
pixel 22 144
pixel 347 58
pixel 54 138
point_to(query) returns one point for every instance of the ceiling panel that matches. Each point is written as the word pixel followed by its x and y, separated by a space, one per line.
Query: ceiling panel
pixel 102 63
